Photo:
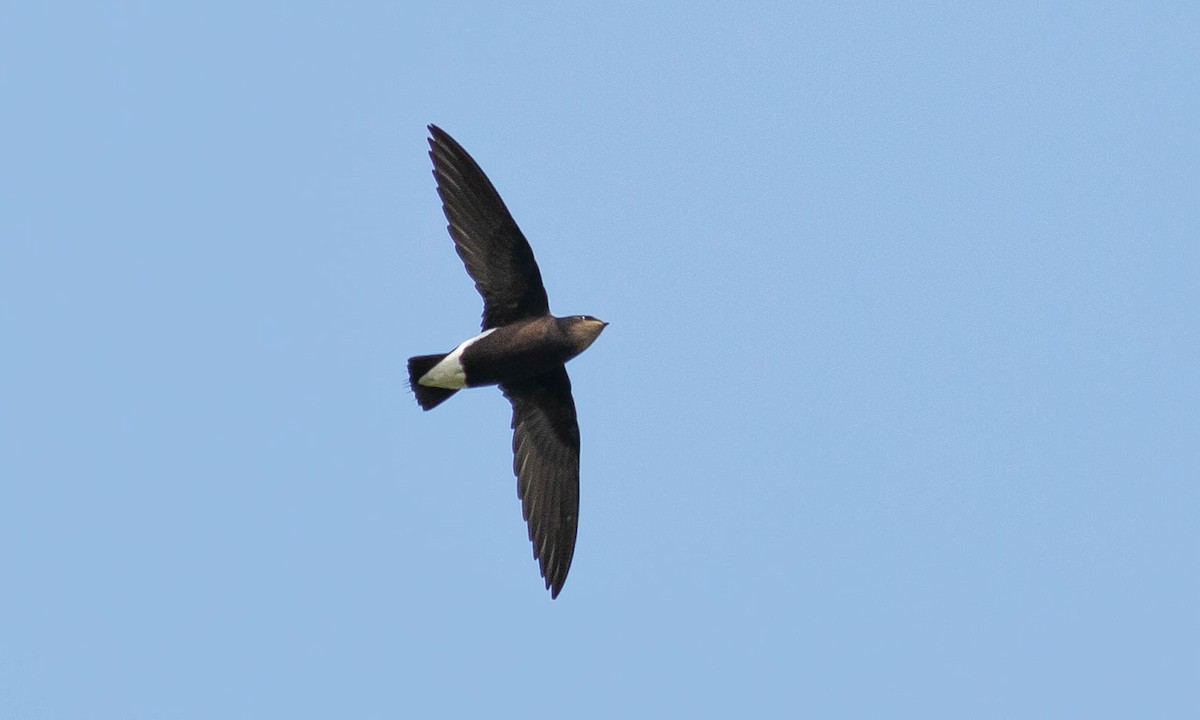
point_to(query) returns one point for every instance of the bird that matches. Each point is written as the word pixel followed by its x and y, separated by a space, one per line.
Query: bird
pixel 523 349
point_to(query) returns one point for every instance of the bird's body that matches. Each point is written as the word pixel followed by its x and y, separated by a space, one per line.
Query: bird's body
pixel 523 349
pixel 511 352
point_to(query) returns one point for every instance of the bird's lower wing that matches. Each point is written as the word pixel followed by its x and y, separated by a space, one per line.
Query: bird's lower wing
pixel 546 463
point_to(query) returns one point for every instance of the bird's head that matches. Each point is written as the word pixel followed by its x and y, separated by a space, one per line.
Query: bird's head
pixel 583 330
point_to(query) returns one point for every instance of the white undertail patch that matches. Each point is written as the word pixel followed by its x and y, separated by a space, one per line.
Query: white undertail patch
pixel 448 373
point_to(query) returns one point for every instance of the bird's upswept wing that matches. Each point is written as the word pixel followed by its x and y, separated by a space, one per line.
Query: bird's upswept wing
pixel 496 253
pixel 546 463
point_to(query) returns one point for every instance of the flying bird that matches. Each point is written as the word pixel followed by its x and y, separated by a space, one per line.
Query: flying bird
pixel 523 349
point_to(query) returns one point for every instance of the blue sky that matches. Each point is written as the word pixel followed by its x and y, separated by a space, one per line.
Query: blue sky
pixel 897 414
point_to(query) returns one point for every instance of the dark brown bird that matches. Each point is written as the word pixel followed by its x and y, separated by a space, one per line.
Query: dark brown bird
pixel 523 349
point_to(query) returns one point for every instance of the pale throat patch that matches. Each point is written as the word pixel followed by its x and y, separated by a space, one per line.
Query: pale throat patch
pixel 449 373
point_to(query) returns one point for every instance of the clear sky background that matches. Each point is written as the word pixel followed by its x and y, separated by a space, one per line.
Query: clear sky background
pixel 898 414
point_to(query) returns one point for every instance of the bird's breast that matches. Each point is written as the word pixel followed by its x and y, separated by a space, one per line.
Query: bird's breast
pixel 514 353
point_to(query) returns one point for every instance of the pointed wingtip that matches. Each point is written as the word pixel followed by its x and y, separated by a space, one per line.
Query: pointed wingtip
pixel 441 143
pixel 556 578
pixel 554 585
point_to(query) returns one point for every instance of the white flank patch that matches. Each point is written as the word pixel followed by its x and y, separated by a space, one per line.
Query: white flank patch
pixel 448 373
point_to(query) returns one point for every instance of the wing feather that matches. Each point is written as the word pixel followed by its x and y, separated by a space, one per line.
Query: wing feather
pixel 546 463
pixel 493 249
